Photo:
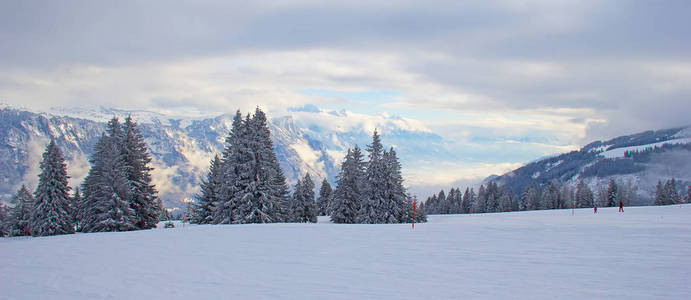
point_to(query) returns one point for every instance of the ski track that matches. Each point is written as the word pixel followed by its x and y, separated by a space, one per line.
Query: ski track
pixel 640 254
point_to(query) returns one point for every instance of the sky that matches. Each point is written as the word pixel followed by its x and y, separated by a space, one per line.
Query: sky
pixel 533 77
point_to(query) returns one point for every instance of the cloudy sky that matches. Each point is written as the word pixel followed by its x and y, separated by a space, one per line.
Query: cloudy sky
pixel 538 76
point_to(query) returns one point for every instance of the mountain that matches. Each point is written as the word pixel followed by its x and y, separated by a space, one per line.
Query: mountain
pixel 180 148
pixel 640 160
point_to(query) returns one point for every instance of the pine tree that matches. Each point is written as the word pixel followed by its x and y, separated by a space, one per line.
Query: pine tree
pixel 4 220
pixel 372 209
pixel 51 211
pixel 105 205
pixel 143 198
pixel 670 192
pixel 659 195
pixel 204 208
pixel 550 196
pixel 396 202
pixel 325 195
pixel 612 192
pixel 227 202
pixel 74 205
pixel 584 195
pixel 304 208
pixel 20 215
pixel 688 194
pixel 345 205
pixel 466 201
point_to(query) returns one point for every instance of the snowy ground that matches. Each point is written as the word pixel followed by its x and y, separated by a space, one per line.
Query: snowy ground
pixel 641 254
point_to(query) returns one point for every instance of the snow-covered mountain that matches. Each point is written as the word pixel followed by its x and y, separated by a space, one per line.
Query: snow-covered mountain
pixel 639 159
pixel 182 146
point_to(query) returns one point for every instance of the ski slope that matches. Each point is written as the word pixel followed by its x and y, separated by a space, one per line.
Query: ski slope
pixel 640 254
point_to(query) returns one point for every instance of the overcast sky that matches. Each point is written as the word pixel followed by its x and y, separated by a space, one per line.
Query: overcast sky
pixel 551 75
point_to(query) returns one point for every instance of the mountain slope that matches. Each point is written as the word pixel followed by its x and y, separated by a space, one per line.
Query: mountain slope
pixel 641 158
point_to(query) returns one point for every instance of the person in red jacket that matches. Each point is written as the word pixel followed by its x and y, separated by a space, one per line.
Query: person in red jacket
pixel 621 206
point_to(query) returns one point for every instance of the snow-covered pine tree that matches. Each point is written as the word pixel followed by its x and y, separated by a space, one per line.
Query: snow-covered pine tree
pixel 325 195
pixel 51 211
pixel 4 220
pixel 612 192
pixel 549 198
pixel 227 202
pixel 304 208
pixel 492 197
pixel 105 205
pixel 466 202
pixel 396 201
pixel 659 195
pixel 584 195
pixel 441 204
pixel 671 196
pixel 203 210
pixel 566 196
pixel 531 198
pixel 74 205
pixel 345 205
pixel 373 208
pixel 688 194
pixel 143 195
pixel 20 214
pixel 260 192
pixel 481 203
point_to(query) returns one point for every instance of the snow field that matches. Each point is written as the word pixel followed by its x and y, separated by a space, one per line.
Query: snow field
pixel 640 254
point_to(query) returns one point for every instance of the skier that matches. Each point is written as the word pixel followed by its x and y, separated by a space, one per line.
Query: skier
pixel 594 208
pixel 621 206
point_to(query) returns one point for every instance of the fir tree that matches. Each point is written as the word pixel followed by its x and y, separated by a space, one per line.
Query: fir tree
pixel 204 208
pixel 584 195
pixel 227 202
pixel 325 195
pixel 466 201
pixel 396 202
pixel 531 198
pixel 345 205
pixel 143 198
pixel 304 208
pixel 74 205
pixel 670 192
pixel 372 209
pixel 51 211
pixel 20 215
pixel 550 196
pixel 4 220
pixel 106 205
pixel 659 195
pixel 612 194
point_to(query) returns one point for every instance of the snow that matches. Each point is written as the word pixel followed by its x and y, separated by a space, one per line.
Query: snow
pixel 639 254
pixel 619 152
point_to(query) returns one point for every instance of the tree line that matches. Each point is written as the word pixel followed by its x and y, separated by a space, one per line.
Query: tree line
pixel 246 185
pixel 551 195
pixel 116 195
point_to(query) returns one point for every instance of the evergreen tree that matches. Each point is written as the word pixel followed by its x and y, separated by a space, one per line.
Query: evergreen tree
pixel 466 202
pixel 396 201
pixel 688 194
pixel 20 215
pixel 143 199
pixel 345 205
pixel 481 203
pixel 51 211
pixel 584 195
pixel 304 208
pixel 106 205
pixel 659 195
pixel 227 202
pixel 74 205
pixel 670 192
pixel 550 196
pixel 4 220
pixel 373 208
pixel 204 208
pixel 325 195
pixel 531 198
pixel 612 192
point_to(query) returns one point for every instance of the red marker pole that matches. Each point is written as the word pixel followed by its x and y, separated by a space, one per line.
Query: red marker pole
pixel 573 207
pixel 413 214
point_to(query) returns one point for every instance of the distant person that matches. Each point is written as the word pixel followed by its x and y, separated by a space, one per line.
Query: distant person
pixel 594 208
pixel 621 206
